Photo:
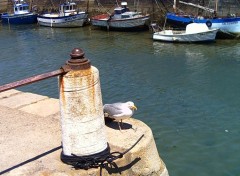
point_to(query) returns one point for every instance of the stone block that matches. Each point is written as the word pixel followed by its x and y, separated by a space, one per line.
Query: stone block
pixel 43 108
pixel 21 100
pixel 9 93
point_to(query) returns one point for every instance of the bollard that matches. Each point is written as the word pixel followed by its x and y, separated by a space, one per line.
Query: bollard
pixel 81 109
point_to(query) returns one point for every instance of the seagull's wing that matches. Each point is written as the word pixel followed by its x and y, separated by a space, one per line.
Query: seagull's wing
pixel 113 109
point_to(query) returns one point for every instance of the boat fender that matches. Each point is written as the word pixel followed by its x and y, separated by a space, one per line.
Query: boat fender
pixel 209 23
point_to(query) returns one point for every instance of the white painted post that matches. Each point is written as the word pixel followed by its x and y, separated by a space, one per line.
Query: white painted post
pixel 82 119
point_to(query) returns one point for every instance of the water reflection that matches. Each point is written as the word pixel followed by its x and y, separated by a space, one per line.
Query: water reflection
pixel 188 94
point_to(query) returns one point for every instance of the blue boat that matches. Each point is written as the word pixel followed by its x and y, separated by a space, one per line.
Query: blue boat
pixel 21 14
pixel 229 26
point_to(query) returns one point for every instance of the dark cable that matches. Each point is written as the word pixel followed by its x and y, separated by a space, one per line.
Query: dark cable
pixel 95 160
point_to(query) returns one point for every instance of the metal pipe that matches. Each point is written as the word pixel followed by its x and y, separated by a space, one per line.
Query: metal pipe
pixel 32 79
pixel 76 62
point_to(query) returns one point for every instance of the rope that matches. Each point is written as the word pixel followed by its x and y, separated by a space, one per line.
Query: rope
pixel 96 160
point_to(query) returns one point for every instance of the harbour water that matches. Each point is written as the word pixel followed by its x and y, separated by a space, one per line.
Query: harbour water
pixel 187 93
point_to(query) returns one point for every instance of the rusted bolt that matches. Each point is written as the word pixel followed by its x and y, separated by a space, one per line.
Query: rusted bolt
pixel 78 61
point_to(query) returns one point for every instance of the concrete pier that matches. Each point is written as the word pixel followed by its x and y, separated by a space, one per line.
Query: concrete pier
pixel 30 141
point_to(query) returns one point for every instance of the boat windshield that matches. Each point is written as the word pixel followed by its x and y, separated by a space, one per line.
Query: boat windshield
pixel 125 16
pixel 118 11
pixel 69 7
pixel 121 10
pixel 21 8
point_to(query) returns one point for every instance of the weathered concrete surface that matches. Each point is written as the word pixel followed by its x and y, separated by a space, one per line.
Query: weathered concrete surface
pixel 30 141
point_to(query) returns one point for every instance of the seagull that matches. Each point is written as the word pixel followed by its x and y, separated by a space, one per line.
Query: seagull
pixel 119 111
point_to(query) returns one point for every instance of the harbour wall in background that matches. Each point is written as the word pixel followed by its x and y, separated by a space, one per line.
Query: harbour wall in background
pixel 154 8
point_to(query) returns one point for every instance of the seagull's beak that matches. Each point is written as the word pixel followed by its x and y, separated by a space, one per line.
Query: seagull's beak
pixel 134 107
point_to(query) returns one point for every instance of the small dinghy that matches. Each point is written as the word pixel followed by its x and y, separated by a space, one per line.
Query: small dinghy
pixel 195 32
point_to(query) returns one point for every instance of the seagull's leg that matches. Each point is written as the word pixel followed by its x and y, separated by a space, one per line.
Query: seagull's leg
pixel 135 129
pixel 119 126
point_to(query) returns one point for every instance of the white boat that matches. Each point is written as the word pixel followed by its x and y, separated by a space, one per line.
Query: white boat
pixel 229 26
pixel 68 16
pixel 194 32
pixel 122 18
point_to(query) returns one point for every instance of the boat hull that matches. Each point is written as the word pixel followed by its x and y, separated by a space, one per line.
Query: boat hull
pixel 208 36
pixel 121 24
pixel 77 20
pixel 28 18
pixel 229 26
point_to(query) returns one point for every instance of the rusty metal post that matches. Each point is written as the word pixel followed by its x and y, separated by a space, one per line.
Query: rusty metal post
pixel 82 119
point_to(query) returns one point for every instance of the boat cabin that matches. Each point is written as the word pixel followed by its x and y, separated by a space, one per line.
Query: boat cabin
pixel 122 9
pixel 123 12
pixel 67 8
pixel 20 7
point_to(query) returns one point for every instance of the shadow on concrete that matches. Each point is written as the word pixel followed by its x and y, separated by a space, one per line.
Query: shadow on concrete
pixel 30 160
pixel 116 169
pixel 114 124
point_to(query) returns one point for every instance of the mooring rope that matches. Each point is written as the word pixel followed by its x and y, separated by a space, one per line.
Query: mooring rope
pixel 95 160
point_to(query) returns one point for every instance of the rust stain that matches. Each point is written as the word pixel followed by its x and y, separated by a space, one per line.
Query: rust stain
pixel 85 84
pixel 93 92
pixel 61 91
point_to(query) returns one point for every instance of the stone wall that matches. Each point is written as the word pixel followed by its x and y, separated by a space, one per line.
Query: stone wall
pixel 31 138
pixel 3 5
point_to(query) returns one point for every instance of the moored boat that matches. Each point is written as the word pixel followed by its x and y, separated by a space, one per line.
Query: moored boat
pixel 194 33
pixel 68 16
pixel 229 26
pixel 21 15
pixel 121 19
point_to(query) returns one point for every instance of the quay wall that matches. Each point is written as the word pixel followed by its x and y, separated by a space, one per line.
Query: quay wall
pixel 31 141
pixel 3 6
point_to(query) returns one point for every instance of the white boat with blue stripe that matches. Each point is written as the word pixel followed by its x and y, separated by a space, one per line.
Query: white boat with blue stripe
pixel 229 26
pixel 68 16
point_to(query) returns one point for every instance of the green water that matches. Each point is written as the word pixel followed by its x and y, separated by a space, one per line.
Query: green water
pixel 189 94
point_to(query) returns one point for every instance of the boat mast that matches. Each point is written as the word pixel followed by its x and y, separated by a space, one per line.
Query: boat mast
pixel 30 5
pixel 87 6
pixel 216 6
pixel 136 4
pixel 198 6
pixel 175 5
pixel 117 3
